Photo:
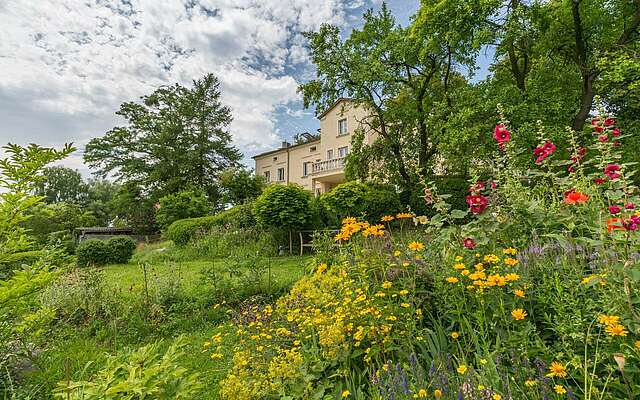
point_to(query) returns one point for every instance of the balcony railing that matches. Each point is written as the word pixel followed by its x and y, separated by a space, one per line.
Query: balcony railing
pixel 328 165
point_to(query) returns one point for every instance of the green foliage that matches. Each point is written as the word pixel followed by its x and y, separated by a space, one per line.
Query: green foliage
pixel 147 372
pixel 183 231
pixel 93 252
pixel 239 185
pixel 61 185
pixel 181 205
pixel 193 120
pixel 284 206
pixel 133 208
pixel 121 249
pixel 361 199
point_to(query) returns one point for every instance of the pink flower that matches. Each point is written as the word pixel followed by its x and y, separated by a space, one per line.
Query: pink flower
pixel 612 171
pixel 614 209
pixel 595 121
pixel 630 224
pixel 599 181
pixel 599 129
pixel 615 132
pixel 469 243
pixel 616 144
pixel 476 187
pixel 571 170
pixel 544 151
pixel 609 122
pixel 629 206
pixel 477 203
pixel 603 138
pixel 501 135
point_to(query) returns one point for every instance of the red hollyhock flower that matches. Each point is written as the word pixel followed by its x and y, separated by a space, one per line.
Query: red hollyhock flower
pixel 614 209
pixel 614 224
pixel 615 132
pixel 609 122
pixel 469 243
pixel 603 138
pixel 612 171
pixel 544 151
pixel 595 121
pixel 616 144
pixel 599 181
pixel 599 129
pixel 477 203
pixel 476 187
pixel 573 197
pixel 630 224
pixel 571 170
pixel 501 135
pixel 629 206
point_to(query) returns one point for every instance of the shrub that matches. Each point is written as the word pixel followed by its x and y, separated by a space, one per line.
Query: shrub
pixel 93 252
pixel 181 205
pixel 121 249
pixel 284 206
pixel 143 373
pixel 361 199
pixel 183 231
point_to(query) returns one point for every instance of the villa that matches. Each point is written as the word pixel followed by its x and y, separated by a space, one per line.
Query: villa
pixel 317 164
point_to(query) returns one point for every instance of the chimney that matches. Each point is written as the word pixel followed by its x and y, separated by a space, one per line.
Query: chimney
pixel 285 145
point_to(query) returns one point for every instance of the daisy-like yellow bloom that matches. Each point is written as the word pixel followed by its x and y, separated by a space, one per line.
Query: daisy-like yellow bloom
pixel 462 369
pixel 346 394
pixel 386 284
pixel 530 383
pixel 421 220
pixel 510 250
pixel 416 246
pixel 615 330
pixel 465 272
pixel 559 389
pixel 512 277
pixel 609 319
pixel 511 261
pixel 459 258
pixel 405 305
pixel 496 397
pixel 396 253
pixel 458 266
pixel 387 218
pixel 452 279
pixel 404 292
pixel 518 314
pixel 380 294
pixel 483 361
pixel 437 393
pixel 455 335
pixel 519 292
pixel 637 344
pixel 491 258
pixel 557 370
pixel 404 215
pixel 422 393
pixel 349 220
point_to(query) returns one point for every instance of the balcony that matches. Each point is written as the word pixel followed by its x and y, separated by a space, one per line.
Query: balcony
pixel 327 166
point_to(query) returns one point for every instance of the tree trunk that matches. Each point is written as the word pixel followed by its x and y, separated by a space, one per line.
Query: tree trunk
pixel 586 101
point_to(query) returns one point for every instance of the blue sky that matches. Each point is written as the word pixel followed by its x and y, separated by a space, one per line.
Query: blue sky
pixel 68 64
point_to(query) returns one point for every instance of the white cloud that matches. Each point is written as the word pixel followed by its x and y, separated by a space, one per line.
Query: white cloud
pixel 68 64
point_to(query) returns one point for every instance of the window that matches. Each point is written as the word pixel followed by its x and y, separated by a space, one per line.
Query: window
pixel 343 151
pixel 275 158
pixel 280 174
pixel 312 149
pixel 305 168
pixel 267 176
pixel 330 154
pixel 342 127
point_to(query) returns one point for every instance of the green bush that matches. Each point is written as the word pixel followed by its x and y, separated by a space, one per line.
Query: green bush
pixel 183 231
pixel 181 205
pixel 284 206
pixel 361 199
pixel 121 249
pixel 93 252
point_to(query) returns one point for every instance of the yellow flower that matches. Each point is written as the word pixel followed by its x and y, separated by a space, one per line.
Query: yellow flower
pixel 481 387
pixel 396 253
pixel 459 266
pixel 609 319
pixel 518 314
pixel 437 393
pixel 557 370
pixel 616 330
pixel 483 361
pixel 519 292
pixel 405 305
pixel 422 220
pixel 404 215
pixel 422 393
pixel 416 246
pixel 559 389
pixel 512 277
pixel 404 292
pixel 321 268
pixel 530 383
pixel 387 218
pixel 510 250
pixel 459 258
pixel 511 261
pixel 346 394
pixel 386 284
pixel 379 294
pixel 455 335
pixel 452 279
pixel 637 344
pixel 462 369
pixel 496 397
pixel 349 220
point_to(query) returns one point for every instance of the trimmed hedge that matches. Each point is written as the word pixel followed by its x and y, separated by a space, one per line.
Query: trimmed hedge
pixel 117 250
pixel 182 231
pixel 358 199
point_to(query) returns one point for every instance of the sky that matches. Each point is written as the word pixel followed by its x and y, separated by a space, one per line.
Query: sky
pixel 67 65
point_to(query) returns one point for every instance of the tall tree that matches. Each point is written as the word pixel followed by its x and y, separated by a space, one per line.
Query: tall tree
pixel 176 138
pixel 61 185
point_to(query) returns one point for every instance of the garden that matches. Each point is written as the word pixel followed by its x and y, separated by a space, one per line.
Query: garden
pixel 486 245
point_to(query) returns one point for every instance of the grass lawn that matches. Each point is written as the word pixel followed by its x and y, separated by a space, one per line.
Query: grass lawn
pixel 182 305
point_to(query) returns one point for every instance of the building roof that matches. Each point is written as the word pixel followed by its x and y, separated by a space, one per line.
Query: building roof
pixel 100 229
pixel 284 148
pixel 332 106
